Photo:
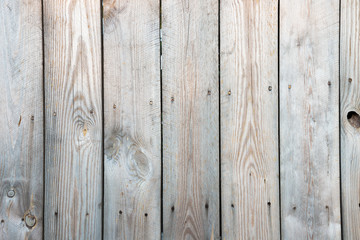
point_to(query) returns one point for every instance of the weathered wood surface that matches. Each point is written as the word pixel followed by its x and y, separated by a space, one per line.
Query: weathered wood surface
pixel 191 119
pixel 249 119
pixel 132 119
pixel 21 120
pixel 349 118
pixel 309 119
pixel 73 119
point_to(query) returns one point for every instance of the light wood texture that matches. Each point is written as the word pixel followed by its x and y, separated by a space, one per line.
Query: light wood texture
pixel 73 115
pixel 21 120
pixel 309 119
pixel 249 119
pixel 191 119
pixel 132 119
pixel 350 123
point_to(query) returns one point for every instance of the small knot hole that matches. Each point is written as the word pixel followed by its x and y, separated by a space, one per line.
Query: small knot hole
pixel 354 119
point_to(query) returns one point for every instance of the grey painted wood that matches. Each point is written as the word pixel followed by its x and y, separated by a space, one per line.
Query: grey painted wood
pixel 309 119
pixel 191 119
pixel 350 120
pixel 249 119
pixel 132 119
pixel 21 120
pixel 73 118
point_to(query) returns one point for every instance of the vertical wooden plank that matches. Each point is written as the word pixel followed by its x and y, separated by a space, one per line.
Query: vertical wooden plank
pixel 350 119
pixel 309 119
pixel 132 119
pixel 21 121
pixel 191 119
pixel 249 119
pixel 73 115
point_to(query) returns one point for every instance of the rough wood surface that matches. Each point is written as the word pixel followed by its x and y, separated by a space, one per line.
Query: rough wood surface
pixel 309 119
pixel 21 120
pixel 350 120
pixel 132 119
pixel 191 119
pixel 249 119
pixel 73 117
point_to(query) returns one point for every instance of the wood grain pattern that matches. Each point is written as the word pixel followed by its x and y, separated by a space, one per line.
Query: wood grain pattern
pixel 309 119
pixel 73 115
pixel 350 120
pixel 249 119
pixel 191 119
pixel 132 119
pixel 21 121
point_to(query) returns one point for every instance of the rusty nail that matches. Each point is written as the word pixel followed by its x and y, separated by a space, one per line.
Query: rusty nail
pixel 114 106
pixel 32 118
pixel 329 83
pixel 229 92
pixel 172 99
pixel 11 193
pixel 30 220
pixel 289 86
pixel 209 92
pixel 91 111
pixel 350 80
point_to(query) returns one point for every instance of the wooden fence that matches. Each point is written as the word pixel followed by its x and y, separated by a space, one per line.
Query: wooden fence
pixel 179 119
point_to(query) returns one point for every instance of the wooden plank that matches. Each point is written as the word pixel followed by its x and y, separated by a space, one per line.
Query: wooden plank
pixel 21 122
pixel 350 120
pixel 249 119
pixel 309 119
pixel 132 120
pixel 191 119
pixel 73 119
